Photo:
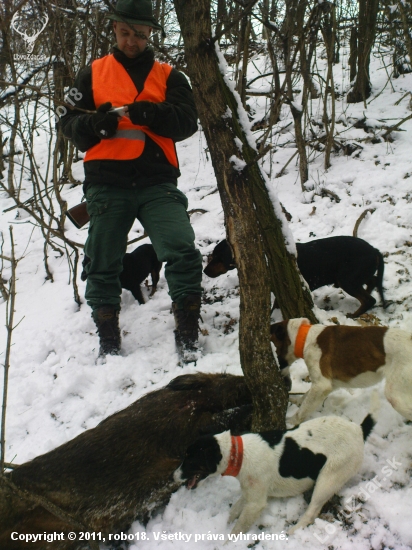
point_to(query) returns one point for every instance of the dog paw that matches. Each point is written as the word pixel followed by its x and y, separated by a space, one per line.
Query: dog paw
pixel 351 315
pixel 292 529
pixel 100 360
pixel 296 399
pixel 235 510
pixel 293 420
pixel 390 305
pixel 233 516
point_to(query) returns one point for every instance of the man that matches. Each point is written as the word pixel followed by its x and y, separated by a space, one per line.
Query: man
pixel 131 171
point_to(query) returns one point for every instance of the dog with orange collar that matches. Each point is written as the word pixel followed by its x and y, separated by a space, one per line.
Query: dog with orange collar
pixel 323 453
pixel 340 356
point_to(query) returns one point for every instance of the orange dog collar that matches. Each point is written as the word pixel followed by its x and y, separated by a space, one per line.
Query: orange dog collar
pixel 300 340
pixel 236 457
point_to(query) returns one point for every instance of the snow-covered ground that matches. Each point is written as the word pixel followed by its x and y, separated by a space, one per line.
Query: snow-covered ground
pixel 56 390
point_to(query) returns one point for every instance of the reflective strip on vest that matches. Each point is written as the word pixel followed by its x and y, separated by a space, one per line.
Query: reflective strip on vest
pixel 131 134
pixel 111 82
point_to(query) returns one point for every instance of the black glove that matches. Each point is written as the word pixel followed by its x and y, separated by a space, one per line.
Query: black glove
pixel 141 112
pixel 104 124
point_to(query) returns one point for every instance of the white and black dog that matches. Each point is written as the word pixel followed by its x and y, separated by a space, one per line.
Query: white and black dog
pixel 324 452
pixel 346 357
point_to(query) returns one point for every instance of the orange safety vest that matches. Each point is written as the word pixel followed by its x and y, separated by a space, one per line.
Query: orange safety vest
pixel 110 82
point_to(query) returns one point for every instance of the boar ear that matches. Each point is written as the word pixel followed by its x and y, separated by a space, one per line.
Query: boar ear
pixel 279 330
pixel 188 382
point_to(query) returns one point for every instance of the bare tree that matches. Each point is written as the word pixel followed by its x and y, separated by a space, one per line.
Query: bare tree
pixel 9 295
pixel 368 12
pixel 255 231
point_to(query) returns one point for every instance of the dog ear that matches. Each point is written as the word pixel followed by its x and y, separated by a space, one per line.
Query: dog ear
pixel 278 331
pixel 223 252
pixel 236 420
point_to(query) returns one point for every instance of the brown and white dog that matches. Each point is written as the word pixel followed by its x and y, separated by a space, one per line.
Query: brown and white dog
pixel 346 357
pixel 323 453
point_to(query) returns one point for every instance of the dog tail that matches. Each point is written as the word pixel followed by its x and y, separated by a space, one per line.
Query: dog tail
pixel 379 278
pixel 370 420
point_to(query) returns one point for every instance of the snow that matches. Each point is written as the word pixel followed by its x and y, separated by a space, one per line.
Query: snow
pixel 297 106
pixel 56 390
pixel 238 164
pixel 241 113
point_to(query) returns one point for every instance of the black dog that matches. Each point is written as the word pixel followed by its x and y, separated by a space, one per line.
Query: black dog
pixel 137 265
pixel 346 262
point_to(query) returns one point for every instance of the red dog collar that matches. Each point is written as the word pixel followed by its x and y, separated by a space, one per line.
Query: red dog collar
pixel 236 457
pixel 300 340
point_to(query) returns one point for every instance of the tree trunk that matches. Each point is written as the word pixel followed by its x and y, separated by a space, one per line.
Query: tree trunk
pixel 329 35
pixel 353 56
pixel 405 13
pixel 368 13
pixel 244 55
pixel 221 16
pixel 254 231
pixel 156 14
pixel 292 25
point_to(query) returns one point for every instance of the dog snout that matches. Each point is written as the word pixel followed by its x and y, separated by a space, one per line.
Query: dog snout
pixel 283 364
pixel 215 268
pixel 287 381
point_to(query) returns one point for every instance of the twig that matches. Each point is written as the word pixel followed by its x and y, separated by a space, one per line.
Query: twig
pixel 40 221
pixel 138 238
pixel 9 327
pixel 197 211
pixel 49 506
pixel 5 257
pixel 10 465
pixel 327 193
pixel 30 201
pixel 359 220
pixel 7 155
pixel 4 291
pixel 247 8
pixel 395 127
pixel 403 97
pixel 279 174
pixel 262 153
pixel 42 94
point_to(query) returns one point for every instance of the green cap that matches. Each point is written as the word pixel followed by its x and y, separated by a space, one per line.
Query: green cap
pixel 135 12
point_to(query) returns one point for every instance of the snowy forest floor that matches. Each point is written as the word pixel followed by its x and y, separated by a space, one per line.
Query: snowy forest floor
pixel 56 390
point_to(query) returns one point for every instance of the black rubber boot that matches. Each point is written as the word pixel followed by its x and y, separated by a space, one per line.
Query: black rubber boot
pixel 187 328
pixel 107 323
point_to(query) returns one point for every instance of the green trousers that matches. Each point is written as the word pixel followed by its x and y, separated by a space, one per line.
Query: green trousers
pixel 162 211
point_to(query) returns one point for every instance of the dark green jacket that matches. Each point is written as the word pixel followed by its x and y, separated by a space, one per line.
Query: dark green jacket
pixel 175 118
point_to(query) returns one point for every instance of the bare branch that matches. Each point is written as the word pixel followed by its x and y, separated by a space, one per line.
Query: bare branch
pixel 359 220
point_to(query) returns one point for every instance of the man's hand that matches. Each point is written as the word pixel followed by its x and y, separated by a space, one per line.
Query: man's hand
pixel 104 123
pixel 141 112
